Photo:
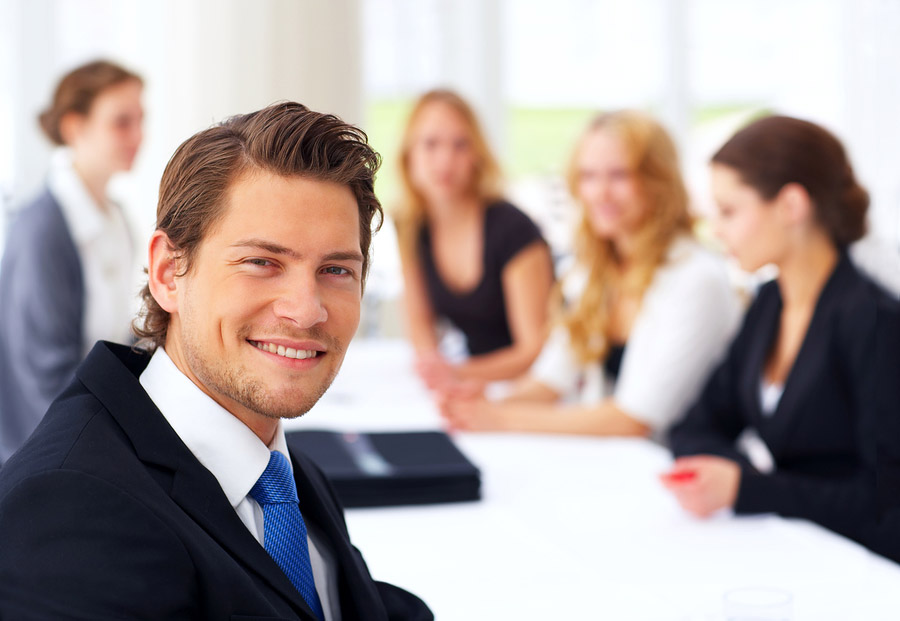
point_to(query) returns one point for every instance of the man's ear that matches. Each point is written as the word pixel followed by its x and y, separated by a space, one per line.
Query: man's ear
pixel 161 272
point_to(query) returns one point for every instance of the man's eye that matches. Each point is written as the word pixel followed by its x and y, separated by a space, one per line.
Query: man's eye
pixel 336 270
pixel 259 262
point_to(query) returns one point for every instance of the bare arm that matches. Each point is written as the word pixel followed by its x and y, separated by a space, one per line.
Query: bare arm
pixel 531 390
pixel 527 280
pixel 419 313
pixel 605 419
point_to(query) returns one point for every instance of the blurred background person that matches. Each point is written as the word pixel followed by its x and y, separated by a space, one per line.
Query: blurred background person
pixel 467 255
pixel 802 372
pixel 653 310
pixel 66 278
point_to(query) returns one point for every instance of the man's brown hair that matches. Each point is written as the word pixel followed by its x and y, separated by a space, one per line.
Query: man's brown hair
pixel 286 139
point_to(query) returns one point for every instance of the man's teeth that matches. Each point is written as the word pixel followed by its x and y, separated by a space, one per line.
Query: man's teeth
pixel 287 352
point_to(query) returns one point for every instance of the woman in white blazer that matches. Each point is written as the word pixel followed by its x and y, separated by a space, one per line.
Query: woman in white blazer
pixel 652 310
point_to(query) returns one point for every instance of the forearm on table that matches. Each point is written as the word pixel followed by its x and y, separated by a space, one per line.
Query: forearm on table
pixel 507 363
pixel 605 419
pixel 530 389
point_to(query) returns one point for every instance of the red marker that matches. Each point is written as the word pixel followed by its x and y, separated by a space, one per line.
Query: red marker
pixel 682 476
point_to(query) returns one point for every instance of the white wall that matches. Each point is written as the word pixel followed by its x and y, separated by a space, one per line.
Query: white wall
pixel 835 61
pixel 202 60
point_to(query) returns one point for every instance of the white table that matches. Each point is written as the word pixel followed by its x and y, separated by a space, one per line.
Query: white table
pixel 580 528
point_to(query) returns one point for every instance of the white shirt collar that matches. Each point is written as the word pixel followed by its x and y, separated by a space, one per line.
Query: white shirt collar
pixel 85 219
pixel 222 443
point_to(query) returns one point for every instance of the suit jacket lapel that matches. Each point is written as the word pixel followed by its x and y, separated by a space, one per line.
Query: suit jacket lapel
pixel 757 352
pixel 812 355
pixel 110 373
pixel 358 594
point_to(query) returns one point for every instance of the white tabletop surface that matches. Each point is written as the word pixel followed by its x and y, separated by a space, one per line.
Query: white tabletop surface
pixel 580 528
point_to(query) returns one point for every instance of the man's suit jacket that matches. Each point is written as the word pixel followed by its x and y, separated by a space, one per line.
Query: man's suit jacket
pixel 105 513
pixel 823 432
pixel 41 337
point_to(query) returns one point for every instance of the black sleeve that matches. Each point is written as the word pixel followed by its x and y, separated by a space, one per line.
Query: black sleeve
pixel 843 504
pixel 887 360
pixel 509 231
pixel 402 605
pixel 72 545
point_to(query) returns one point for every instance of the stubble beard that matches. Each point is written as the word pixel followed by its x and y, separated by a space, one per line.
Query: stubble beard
pixel 240 386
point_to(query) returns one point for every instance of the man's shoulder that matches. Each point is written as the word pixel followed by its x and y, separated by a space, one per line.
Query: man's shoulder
pixel 79 431
pixel 77 426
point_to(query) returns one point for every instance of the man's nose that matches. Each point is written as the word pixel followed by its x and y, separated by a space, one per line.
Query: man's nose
pixel 301 302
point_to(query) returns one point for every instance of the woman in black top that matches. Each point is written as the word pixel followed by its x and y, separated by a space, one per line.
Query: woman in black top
pixel 645 313
pixel 807 372
pixel 467 255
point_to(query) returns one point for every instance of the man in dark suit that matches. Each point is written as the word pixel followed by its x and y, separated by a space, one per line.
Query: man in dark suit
pixel 159 484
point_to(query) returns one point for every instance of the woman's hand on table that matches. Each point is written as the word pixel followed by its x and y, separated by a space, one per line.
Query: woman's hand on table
pixel 434 370
pixel 703 484
pixel 443 378
pixel 472 413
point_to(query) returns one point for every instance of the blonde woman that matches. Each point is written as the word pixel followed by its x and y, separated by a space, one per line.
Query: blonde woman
pixel 468 256
pixel 654 310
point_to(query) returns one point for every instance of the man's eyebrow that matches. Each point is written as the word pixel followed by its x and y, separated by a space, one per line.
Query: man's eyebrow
pixel 344 256
pixel 268 246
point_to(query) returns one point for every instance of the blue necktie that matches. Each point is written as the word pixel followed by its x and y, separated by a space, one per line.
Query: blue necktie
pixel 285 531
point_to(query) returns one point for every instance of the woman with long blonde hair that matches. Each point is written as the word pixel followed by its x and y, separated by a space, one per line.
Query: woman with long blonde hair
pixel 467 255
pixel 653 310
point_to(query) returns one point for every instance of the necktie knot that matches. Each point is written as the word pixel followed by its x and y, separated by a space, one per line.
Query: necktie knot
pixel 276 484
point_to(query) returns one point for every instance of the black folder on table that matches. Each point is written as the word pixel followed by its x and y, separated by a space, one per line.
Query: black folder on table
pixel 387 469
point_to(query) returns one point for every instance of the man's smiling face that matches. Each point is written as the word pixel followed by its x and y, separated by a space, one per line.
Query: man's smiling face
pixel 272 298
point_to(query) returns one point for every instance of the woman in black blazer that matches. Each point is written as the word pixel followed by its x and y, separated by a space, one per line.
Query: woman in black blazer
pixel 807 372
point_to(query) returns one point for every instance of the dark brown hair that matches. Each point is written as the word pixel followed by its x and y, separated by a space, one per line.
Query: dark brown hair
pixel 77 91
pixel 777 150
pixel 286 139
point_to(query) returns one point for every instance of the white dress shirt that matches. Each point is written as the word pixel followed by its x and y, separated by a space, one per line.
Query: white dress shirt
pixel 234 455
pixel 688 315
pixel 104 246
pixel 769 397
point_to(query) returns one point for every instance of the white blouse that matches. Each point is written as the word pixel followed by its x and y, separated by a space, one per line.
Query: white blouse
pixel 769 397
pixel 105 249
pixel 688 316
